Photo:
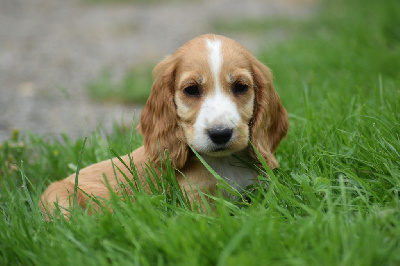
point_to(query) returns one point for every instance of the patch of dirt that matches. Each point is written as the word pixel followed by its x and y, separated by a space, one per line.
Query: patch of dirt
pixel 50 50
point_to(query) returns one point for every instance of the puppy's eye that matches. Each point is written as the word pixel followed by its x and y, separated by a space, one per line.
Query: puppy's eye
pixel 239 88
pixel 192 90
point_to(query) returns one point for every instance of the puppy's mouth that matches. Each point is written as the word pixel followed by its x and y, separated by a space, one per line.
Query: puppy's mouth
pixel 220 152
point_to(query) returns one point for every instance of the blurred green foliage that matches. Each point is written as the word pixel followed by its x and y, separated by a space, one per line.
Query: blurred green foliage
pixel 134 87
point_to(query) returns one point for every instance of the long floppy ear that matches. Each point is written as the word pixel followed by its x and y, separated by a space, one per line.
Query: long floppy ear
pixel 270 121
pixel 159 121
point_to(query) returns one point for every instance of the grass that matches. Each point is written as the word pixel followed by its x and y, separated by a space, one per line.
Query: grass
pixel 133 88
pixel 333 201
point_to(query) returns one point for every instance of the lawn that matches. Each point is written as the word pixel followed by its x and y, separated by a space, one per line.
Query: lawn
pixel 333 201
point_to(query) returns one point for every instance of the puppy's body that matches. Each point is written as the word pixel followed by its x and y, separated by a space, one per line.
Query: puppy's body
pixel 212 95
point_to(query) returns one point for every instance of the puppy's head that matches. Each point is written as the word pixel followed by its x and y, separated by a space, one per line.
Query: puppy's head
pixel 213 95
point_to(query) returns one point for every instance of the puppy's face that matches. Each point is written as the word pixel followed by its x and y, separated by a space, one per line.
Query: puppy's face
pixel 214 95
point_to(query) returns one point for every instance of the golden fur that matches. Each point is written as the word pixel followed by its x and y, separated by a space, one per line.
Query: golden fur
pixel 168 117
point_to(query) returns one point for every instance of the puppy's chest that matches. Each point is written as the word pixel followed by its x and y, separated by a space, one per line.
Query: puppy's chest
pixel 233 171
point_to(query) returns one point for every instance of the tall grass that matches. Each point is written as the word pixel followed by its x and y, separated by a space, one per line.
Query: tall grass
pixel 333 201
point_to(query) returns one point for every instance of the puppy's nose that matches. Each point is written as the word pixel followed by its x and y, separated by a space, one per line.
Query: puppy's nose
pixel 220 135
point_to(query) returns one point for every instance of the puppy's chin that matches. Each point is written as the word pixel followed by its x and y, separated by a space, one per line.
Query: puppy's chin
pixel 223 151
pixel 219 153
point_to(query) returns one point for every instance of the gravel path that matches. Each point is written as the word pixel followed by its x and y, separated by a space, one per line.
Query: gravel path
pixel 50 50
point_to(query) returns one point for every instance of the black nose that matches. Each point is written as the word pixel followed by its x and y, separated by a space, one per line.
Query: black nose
pixel 220 135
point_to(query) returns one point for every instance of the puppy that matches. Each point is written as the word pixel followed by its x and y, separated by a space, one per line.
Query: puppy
pixel 211 95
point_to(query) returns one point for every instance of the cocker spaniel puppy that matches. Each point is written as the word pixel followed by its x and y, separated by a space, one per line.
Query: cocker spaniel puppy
pixel 211 95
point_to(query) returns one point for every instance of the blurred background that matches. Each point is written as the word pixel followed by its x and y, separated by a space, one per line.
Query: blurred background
pixel 72 66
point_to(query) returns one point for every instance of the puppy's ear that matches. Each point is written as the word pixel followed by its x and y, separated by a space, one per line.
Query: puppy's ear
pixel 159 121
pixel 270 121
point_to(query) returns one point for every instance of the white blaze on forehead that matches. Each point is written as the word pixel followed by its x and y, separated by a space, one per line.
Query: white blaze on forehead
pixel 215 58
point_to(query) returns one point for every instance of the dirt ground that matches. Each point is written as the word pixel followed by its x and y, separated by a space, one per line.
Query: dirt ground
pixel 50 50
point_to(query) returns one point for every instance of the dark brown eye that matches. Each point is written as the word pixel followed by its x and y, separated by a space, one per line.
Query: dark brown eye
pixel 239 88
pixel 192 90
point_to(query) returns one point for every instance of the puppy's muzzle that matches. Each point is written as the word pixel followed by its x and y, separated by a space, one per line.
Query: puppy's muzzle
pixel 220 135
